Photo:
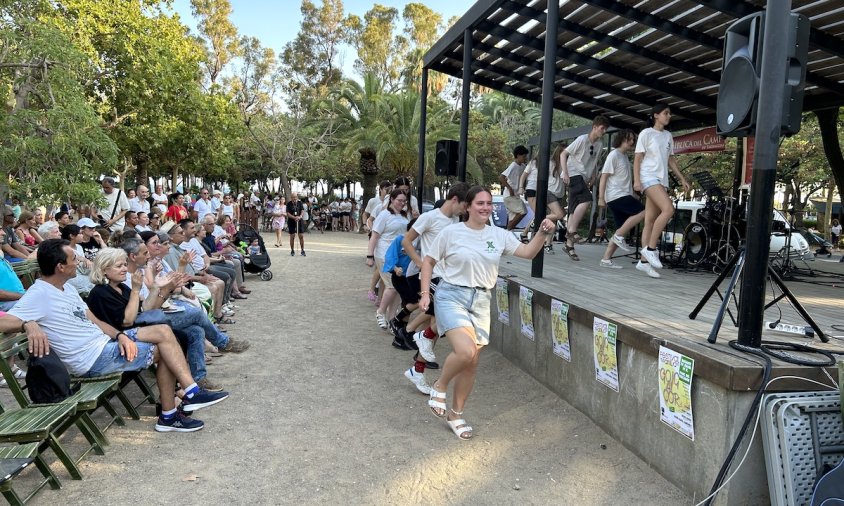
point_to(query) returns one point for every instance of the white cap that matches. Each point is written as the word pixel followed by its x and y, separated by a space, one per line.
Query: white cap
pixel 86 222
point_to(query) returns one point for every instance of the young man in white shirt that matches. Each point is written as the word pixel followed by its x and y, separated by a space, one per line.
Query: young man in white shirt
pixel 578 163
pixel 509 180
pixel 426 228
pixel 616 192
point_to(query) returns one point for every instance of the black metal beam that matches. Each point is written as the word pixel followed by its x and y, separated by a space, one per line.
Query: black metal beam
pixel 601 66
pixel 592 83
pixel 454 35
pixel 463 149
pixel 423 125
pixel 615 42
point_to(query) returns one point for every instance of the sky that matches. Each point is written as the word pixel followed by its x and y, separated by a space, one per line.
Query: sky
pixel 275 23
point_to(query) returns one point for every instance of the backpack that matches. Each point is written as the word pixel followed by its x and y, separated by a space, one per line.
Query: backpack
pixel 47 380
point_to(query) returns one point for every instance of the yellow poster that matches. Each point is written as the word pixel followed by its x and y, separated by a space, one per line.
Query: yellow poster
pixel 604 352
pixel 502 300
pixel 560 329
pixel 526 311
pixel 675 391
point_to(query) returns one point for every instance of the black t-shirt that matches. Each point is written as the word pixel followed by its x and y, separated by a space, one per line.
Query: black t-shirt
pixel 108 305
pixel 295 208
pixel 90 248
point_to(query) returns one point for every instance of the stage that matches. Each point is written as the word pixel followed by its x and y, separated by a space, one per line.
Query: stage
pixel 650 313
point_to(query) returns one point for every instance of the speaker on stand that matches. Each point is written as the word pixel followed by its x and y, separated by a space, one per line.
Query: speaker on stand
pixel 445 161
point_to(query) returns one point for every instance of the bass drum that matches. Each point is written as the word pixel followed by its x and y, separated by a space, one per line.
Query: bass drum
pixel 696 243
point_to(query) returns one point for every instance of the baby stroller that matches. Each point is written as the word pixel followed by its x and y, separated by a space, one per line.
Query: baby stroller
pixel 255 264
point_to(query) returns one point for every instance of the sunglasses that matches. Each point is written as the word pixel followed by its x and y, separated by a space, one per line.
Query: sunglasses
pixel 591 150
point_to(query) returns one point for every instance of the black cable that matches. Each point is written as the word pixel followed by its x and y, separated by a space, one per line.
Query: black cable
pixel 766 374
pixel 774 348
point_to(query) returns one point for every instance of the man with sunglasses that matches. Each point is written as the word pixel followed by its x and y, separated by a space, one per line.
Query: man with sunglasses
pixel 578 163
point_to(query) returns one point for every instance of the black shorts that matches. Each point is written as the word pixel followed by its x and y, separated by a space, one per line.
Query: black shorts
pixel 296 227
pixel 344 213
pixel 578 192
pixel 408 288
pixel 624 207
pixel 335 215
pixel 529 194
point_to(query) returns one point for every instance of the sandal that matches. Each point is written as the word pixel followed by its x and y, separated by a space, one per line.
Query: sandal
pixel 570 252
pixel 437 402
pixel 461 429
pixel 224 320
pixel 576 239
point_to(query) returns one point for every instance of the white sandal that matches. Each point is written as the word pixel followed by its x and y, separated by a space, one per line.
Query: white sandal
pixel 460 427
pixel 434 403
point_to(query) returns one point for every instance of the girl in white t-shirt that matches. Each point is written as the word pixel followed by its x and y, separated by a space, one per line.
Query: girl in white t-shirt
pixel 467 255
pixel 654 155
pixel 388 225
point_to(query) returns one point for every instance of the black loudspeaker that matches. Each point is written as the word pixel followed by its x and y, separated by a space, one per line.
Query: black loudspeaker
pixel 739 88
pixel 445 163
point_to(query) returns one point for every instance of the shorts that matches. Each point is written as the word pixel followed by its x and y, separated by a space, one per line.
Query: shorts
pixel 433 288
pixel 462 306
pixel 408 288
pixel 578 193
pixel 651 181
pixel 386 277
pixel 344 213
pixel 529 194
pixel 624 207
pixel 110 360
pixel 335 215
pixel 514 205
pixel 551 198
pixel 296 227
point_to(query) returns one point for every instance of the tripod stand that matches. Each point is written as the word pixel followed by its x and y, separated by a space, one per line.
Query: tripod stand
pixel 737 265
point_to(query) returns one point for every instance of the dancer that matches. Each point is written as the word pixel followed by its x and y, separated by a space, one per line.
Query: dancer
pixel 509 180
pixel 389 224
pixel 654 155
pixel 578 161
pixel 616 191
pixel 467 255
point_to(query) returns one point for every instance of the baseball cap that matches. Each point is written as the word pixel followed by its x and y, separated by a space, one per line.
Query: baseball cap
pixel 86 222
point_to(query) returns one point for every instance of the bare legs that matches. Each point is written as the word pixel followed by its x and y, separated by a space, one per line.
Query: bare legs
pixel 658 211
pixel 172 366
pixel 622 231
pixel 574 221
pixel 461 365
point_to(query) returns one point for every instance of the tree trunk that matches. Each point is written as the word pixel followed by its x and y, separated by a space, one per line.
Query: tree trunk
pixel 369 170
pixel 285 184
pixel 174 181
pixel 828 121
pixel 142 173
pixel 827 218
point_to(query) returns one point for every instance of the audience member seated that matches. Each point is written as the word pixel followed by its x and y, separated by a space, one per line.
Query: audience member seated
pixel 230 271
pixel 143 222
pixel 26 230
pixel 82 281
pixel 11 290
pixel 56 319
pixel 13 248
pixel 91 241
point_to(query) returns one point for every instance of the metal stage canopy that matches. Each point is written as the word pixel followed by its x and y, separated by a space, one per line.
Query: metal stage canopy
pixel 619 57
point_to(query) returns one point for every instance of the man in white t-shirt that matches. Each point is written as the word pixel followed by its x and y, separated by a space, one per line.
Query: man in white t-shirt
pixel 139 203
pixel 159 199
pixel 616 191
pixel 578 162
pixel 509 180
pixel 56 319
pixel 426 228
pixel 117 204
pixel 203 205
pixel 374 203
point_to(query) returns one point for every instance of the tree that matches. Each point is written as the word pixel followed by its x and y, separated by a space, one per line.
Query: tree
pixel 218 35
pixel 379 52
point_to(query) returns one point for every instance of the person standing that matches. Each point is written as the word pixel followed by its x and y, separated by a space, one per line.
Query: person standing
pixel 140 204
pixel 654 156
pixel 835 233
pixel 279 218
pixel 616 192
pixel 177 211
pixel 117 204
pixel 510 181
pixel 468 255
pixel 296 223
pixel 578 161
pixel 203 206
pixel 159 199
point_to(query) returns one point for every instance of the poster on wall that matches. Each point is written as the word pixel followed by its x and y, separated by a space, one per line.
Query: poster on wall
pixel 502 299
pixel 526 311
pixel 560 329
pixel 604 351
pixel 675 391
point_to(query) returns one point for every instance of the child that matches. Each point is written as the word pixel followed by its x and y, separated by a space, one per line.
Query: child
pixel 255 247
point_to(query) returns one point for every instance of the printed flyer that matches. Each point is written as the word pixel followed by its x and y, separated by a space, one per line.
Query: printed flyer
pixel 560 329
pixel 526 311
pixel 502 298
pixel 604 351
pixel 675 391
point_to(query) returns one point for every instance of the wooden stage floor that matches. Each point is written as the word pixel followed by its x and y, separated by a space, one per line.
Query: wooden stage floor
pixel 659 308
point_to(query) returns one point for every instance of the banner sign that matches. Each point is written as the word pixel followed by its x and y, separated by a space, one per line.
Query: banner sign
pixel 696 142
pixel 526 311
pixel 502 299
pixel 560 329
pixel 747 161
pixel 604 352
pixel 675 391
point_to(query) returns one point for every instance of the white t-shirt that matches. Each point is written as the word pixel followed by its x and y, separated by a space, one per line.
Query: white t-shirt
pixel 414 204
pixel 202 208
pixel 228 210
pixel 530 180
pixel 555 183
pixel 345 207
pixel 334 207
pixel 389 226
pixel 658 146
pixel 620 182
pixel 162 198
pixel 513 173
pixel 122 205
pixel 835 229
pixel 62 315
pixel 583 156
pixel 371 205
pixel 470 257
pixel 139 205
pixel 428 226
pixel 198 262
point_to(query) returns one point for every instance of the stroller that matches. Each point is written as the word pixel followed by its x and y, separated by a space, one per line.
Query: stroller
pixel 255 264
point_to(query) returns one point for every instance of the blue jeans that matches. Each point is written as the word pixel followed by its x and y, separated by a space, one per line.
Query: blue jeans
pixel 191 327
pixel 110 360
pixel 197 316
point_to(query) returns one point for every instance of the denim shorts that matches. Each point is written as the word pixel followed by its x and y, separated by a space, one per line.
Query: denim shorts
pixel 110 360
pixel 650 181
pixel 462 306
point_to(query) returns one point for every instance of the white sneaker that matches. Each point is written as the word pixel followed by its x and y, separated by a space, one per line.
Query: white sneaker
pixel 426 346
pixel 382 321
pixel 619 241
pixel 652 257
pixel 418 379
pixel 647 268
pixel 17 371
pixel 609 264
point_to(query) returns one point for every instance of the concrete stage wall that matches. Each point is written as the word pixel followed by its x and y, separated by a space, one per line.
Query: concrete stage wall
pixel 632 415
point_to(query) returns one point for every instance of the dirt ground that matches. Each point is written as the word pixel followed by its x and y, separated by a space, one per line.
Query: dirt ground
pixel 320 413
